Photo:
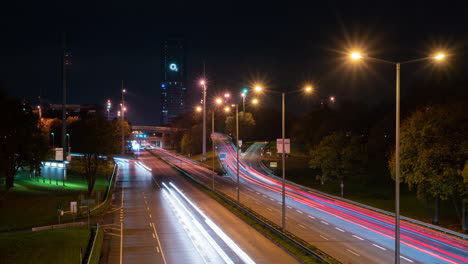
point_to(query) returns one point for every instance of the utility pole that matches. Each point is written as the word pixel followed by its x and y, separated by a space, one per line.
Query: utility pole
pixel 122 112
pixel 65 63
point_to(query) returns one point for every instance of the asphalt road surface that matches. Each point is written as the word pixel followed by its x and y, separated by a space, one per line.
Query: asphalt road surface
pixel 157 216
pixel 349 233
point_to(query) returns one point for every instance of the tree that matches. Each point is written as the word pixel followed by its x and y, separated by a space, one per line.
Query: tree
pixel 434 144
pixel 22 141
pixel 94 136
pixel 339 156
pixel 191 142
pixel 246 125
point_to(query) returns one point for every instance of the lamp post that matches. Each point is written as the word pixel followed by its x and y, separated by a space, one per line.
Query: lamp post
pixel 53 139
pixel 307 89
pixel 237 151
pixel 203 84
pixel 108 108
pixel 357 56
pixel 122 115
pixel 69 147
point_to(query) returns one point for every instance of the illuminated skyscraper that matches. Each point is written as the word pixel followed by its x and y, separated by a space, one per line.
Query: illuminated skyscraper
pixel 173 85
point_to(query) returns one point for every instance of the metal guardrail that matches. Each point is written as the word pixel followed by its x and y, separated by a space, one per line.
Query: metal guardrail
pixel 111 184
pixel 387 213
pixel 245 211
pixel 94 242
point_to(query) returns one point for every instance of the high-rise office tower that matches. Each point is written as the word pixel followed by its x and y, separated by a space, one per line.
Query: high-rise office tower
pixel 173 86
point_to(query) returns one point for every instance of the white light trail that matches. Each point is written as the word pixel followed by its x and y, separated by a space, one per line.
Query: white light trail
pixel 239 252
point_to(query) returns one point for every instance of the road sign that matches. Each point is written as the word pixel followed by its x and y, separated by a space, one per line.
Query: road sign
pixel 287 145
pixel 222 156
pixel 58 153
pixel 273 164
pixel 73 207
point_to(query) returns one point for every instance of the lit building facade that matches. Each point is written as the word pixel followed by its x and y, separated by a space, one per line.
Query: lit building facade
pixel 173 85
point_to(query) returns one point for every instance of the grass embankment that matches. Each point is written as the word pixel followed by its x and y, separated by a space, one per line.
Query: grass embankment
pixel 33 202
pixel 380 195
pixel 293 249
pixel 50 246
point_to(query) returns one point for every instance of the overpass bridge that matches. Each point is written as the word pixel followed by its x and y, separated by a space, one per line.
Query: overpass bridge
pixel 153 135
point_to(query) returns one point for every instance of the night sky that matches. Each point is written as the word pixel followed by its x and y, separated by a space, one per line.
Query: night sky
pixel 283 45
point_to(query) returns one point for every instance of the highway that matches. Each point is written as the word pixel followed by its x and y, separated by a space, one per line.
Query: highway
pixel 157 216
pixel 349 233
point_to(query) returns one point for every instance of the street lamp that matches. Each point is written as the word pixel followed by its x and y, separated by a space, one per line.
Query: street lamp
pixel 122 114
pixel 203 84
pixel 53 139
pixel 356 56
pixel 69 147
pixel 307 90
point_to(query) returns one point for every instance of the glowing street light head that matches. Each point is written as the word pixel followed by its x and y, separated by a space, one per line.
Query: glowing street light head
pixel 227 95
pixel 332 99
pixel 227 109
pixel 255 101
pixel 124 91
pixel 202 82
pixel 219 101
pixel 258 88
pixel 308 89
pixel 243 94
pixel 439 56
pixel 199 108
pixel 355 55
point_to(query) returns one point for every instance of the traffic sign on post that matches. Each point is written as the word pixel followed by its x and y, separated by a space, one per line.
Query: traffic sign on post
pixel 273 164
pixel 222 156
pixel 287 145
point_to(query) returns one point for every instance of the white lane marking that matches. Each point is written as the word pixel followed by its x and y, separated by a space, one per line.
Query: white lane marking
pixel 352 252
pixel 379 247
pixel 264 195
pixel 301 226
pixel 150 216
pixel 288 206
pixel 121 226
pixel 299 211
pixel 358 237
pixel 311 217
pixel 323 222
pixel 159 243
pixel 257 193
pixel 272 199
pixel 147 208
pixel 278 202
pixel 323 237
pixel 157 249
pixel 339 229
pixel 268 209
pixel 153 236
pixel 406 259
